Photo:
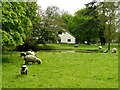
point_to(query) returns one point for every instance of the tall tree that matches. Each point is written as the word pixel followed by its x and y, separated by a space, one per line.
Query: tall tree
pixel 52 23
pixel 109 20
pixel 93 23
pixel 66 18
pixel 15 24
pixel 31 12
pixel 83 26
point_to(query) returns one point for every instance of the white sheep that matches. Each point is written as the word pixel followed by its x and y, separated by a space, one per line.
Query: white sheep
pixel 32 58
pixel 76 45
pixel 100 47
pixel 24 69
pixel 105 51
pixel 28 53
pixel 114 50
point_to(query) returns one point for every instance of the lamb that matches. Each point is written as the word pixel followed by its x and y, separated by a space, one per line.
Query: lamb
pixel 100 47
pixel 114 50
pixel 24 69
pixel 32 58
pixel 76 45
pixel 105 51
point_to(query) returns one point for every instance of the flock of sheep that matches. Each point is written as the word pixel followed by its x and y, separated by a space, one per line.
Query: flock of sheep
pixel 29 57
pixel 105 51
pixel 100 47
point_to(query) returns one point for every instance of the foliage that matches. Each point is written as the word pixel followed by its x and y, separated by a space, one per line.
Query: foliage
pixel 108 20
pixel 15 24
pixel 46 25
pixel 31 12
pixel 83 26
pixel 66 18
pixel 52 23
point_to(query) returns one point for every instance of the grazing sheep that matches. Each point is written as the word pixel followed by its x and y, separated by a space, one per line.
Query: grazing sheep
pixel 22 54
pixel 76 45
pixel 28 53
pixel 24 69
pixel 105 51
pixel 114 50
pixel 32 58
pixel 100 47
pixel 31 53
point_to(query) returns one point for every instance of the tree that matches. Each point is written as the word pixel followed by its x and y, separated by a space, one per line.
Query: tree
pixel 30 41
pixel 93 23
pixel 108 20
pixel 15 24
pixel 66 18
pixel 83 26
pixel 52 24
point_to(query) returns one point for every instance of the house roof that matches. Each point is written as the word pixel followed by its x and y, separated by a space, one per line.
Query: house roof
pixel 69 32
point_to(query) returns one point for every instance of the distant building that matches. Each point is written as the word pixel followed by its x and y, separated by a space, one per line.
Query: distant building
pixel 66 37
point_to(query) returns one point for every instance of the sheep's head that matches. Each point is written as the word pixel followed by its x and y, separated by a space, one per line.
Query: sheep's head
pixel 39 61
pixel 100 47
pixel 22 54
pixel 114 50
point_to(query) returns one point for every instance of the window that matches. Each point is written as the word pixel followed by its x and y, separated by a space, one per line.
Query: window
pixel 69 40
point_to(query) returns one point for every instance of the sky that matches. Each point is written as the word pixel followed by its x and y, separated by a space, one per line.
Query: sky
pixel 67 5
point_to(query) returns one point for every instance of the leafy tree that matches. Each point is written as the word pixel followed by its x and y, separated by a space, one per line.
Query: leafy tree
pixel 15 24
pixel 93 22
pixel 52 24
pixel 82 26
pixel 108 20
pixel 66 18
pixel 31 12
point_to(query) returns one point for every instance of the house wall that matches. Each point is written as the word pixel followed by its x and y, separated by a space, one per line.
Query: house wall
pixel 65 36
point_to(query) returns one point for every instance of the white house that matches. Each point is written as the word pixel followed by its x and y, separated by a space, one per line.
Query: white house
pixel 66 37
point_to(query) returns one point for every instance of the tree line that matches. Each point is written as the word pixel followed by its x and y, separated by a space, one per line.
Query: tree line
pixel 25 24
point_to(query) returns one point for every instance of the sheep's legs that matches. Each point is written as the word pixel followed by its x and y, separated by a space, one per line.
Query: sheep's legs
pixel 26 63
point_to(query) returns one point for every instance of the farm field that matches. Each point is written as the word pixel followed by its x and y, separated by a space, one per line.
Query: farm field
pixel 62 70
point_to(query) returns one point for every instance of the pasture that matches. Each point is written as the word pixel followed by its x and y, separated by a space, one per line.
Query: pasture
pixel 62 70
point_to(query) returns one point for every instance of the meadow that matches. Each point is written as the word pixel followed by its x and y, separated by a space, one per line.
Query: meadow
pixel 62 70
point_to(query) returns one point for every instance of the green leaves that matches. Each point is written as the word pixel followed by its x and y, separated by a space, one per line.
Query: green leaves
pixel 15 24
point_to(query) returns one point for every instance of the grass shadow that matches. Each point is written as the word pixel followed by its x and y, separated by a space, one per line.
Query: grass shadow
pixel 19 76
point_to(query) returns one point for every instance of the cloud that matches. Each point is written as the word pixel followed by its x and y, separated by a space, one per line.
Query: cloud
pixel 68 5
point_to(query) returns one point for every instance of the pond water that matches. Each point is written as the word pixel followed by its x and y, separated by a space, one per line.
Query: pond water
pixel 73 51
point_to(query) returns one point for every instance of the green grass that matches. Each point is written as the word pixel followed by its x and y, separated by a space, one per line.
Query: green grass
pixel 71 47
pixel 62 70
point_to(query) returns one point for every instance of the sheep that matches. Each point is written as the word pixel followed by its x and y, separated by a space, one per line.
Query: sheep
pixel 114 50
pixel 105 51
pixel 31 53
pixel 22 54
pixel 24 69
pixel 32 58
pixel 76 45
pixel 100 47
pixel 28 53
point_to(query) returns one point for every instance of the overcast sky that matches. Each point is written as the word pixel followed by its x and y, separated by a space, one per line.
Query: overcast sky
pixel 68 5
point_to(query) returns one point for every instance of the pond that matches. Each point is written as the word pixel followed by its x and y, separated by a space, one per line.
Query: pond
pixel 73 51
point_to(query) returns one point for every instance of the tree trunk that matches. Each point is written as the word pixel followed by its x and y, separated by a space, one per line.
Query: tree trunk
pixel 109 46
pixel 88 41
pixel 102 38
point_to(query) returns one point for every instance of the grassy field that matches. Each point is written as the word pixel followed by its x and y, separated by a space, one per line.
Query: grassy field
pixel 62 70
